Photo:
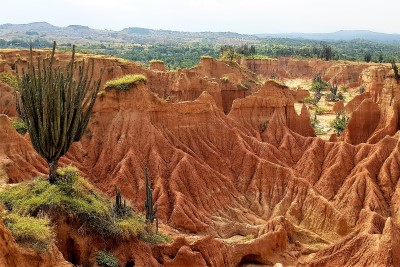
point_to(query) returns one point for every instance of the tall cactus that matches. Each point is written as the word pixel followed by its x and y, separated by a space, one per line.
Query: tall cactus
pixel 151 212
pixel 55 104
pixel 120 206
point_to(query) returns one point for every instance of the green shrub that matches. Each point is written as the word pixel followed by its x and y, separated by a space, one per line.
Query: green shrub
pixel 206 57
pixel 340 123
pixel 320 110
pixel 315 123
pixel 9 79
pixel 331 97
pixel 395 70
pixel 224 78
pixel 307 100
pixel 156 61
pixel 263 126
pixel 244 85
pixel 29 231
pixel 125 82
pixel 318 84
pixel 20 126
pixel 106 259
pixel 334 98
pixel 154 238
pixel 344 88
pixel 123 61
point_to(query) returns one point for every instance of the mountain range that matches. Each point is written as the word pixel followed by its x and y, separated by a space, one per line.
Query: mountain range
pixel 344 35
pixel 83 34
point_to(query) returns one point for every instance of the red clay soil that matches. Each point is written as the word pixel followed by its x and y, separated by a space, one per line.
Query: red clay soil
pixel 251 187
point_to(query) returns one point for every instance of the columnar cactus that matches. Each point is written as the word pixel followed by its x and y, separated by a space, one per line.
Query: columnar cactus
pixel 55 104
pixel 151 212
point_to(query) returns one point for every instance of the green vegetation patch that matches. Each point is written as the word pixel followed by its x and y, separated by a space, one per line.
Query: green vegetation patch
pixel 30 231
pixel 154 238
pixel 224 78
pixel 318 84
pixel 73 196
pixel 244 85
pixel 9 79
pixel 106 259
pixel 125 82
pixel 339 123
pixel 20 126
pixel 260 57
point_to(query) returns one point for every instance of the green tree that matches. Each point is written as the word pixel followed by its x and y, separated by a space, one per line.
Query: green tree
pixel 56 105
pixel 380 58
pixel 395 70
pixel 367 57
pixel 227 51
pixel 326 52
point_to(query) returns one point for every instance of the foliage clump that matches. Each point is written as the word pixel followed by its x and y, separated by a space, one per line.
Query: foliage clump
pixel 395 70
pixel 106 259
pixel 315 123
pixel 9 79
pixel 29 231
pixel 125 82
pixel 20 126
pixel 318 84
pixel 245 85
pixel 340 123
pixel 224 78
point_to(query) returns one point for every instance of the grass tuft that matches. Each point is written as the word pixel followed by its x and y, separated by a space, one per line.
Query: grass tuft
pixel 9 79
pixel 20 126
pixel 125 82
pixel 29 231
pixel 106 259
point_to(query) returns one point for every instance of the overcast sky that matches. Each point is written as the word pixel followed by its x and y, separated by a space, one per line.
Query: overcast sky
pixel 245 16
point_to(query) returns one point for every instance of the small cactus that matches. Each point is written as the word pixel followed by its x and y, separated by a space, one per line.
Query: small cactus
pixel 151 211
pixel 120 206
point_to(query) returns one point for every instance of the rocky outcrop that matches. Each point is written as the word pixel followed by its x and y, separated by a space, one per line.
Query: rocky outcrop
pixel 18 160
pixel 256 111
pixel 372 120
pixel 7 100
pixel 336 72
pixel 157 65
pixel 363 122
pixel 373 80
pixel 338 106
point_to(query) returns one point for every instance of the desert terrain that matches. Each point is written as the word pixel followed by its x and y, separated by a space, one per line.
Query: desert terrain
pixel 240 176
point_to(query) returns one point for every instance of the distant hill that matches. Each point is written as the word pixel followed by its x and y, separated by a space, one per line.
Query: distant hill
pixel 345 35
pixel 83 34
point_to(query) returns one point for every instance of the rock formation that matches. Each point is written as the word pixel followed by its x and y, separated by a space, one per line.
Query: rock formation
pixel 254 186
